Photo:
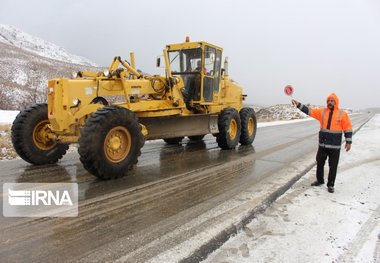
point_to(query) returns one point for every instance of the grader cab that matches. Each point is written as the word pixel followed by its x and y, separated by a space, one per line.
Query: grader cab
pixel 111 114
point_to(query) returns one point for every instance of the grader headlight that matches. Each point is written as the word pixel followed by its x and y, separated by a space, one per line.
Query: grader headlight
pixel 76 102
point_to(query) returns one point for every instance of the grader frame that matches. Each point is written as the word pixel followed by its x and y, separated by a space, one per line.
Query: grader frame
pixel 195 97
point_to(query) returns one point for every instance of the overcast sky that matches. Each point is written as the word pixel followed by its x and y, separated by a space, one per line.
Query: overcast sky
pixel 318 46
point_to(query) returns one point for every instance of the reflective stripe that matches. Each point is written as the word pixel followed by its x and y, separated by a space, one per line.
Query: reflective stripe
pixel 330 131
pixel 348 139
pixel 347 131
pixel 302 107
pixel 329 146
pixel 348 135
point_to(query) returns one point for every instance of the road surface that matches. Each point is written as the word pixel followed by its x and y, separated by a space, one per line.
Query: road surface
pixel 127 219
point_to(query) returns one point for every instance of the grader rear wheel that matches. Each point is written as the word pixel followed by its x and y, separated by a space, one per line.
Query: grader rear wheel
pixel 110 142
pixel 248 126
pixel 30 138
pixel 229 129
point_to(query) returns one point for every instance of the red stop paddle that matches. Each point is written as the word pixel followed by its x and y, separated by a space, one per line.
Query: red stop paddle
pixel 289 90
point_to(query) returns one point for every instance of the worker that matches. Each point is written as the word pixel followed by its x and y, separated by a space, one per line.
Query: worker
pixel 199 67
pixel 333 122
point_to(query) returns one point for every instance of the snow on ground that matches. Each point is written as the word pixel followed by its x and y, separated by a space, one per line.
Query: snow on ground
pixel 308 224
pixel 20 78
pixel 6 149
pixel 274 123
pixel 7 116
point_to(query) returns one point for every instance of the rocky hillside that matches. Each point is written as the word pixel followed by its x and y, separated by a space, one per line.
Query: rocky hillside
pixel 26 64
pixel 279 112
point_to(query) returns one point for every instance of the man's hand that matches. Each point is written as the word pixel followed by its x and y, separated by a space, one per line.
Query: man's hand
pixel 347 147
pixel 295 103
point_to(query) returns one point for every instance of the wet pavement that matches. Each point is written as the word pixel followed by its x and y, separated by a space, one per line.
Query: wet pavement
pixel 169 186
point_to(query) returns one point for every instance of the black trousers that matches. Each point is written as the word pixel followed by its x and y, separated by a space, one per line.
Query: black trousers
pixel 322 155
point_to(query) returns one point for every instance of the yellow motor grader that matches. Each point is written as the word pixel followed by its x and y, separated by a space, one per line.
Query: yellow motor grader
pixel 110 114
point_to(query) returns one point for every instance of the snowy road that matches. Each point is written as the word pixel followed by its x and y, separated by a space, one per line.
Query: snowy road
pixel 308 224
pixel 174 194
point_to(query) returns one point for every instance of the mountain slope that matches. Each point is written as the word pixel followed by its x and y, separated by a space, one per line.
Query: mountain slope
pixel 24 73
pixel 17 38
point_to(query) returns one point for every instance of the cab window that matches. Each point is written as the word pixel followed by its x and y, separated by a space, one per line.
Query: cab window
pixel 210 60
pixel 184 61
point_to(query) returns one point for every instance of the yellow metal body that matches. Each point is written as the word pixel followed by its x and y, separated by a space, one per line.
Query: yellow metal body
pixel 72 101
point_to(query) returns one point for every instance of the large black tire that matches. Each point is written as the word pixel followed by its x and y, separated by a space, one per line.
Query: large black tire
pixel 248 126
pixel 29 137
pixel 110 142
pixel 229 129
pixel 196 137
pixel 173 141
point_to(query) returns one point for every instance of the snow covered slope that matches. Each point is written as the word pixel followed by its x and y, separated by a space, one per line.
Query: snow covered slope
pixel 279 112
pixel 26 64
pixel 16 37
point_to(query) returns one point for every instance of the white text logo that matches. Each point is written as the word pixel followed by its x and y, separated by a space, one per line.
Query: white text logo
pixel 39 197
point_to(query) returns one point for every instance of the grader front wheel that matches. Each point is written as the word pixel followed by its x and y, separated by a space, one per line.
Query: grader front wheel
pixel 30 137
pixel 117 144
pixel 40 136
pixel 110 142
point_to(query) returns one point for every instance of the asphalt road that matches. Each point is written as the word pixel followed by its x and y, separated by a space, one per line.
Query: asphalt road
pixel 170 185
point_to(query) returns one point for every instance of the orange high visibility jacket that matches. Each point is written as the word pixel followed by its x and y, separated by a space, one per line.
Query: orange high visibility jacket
pixel 331 137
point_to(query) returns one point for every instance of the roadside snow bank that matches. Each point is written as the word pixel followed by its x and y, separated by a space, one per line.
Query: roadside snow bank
pixel 279 112
pixel 308 224
pixel 274 123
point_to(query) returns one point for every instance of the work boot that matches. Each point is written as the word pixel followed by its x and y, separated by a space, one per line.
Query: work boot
pixel 330 189
pixel 316 183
